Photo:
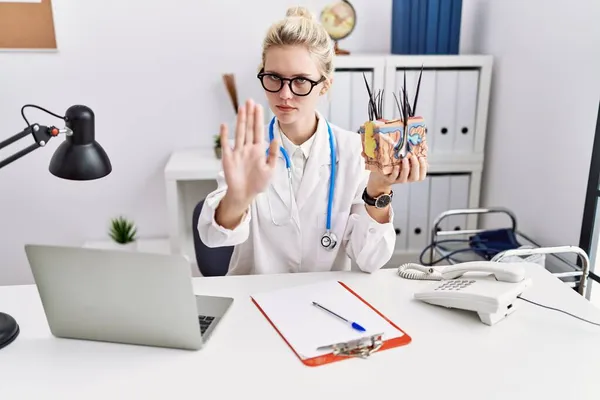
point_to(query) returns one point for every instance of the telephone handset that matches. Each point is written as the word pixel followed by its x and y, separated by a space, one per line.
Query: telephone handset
pixel 486 287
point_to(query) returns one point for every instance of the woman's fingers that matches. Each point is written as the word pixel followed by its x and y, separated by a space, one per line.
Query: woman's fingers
pixel 393 176
pixel 240 128
pixel 422 168
pixel 259 127
pixel 225 150
pixel 404 171
pixel 414 169
pixel 250 106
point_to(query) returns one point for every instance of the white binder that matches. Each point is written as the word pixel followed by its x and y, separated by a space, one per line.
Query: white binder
pixel 418 215
pixel 445 111
pixel 359 100
pixel 466 109
pixel 401 206
pixel 341 93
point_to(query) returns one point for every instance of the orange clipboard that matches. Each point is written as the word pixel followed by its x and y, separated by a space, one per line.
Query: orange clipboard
pixel 362 347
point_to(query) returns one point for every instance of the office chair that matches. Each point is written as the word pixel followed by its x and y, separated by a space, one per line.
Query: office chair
pixel 211 261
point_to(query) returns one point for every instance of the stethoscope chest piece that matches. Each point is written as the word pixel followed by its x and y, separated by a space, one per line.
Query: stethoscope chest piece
pixel 328 240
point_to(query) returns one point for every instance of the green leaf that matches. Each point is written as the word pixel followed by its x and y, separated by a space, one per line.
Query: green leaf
pixel 122 230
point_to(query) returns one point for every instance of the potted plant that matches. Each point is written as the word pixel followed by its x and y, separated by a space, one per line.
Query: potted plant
pixel 123 232
pixel 217 146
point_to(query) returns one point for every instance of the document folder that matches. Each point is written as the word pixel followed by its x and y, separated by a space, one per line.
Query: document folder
pixel 318 338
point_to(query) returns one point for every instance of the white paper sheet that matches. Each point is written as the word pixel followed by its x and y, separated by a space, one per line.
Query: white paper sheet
pixel 307 327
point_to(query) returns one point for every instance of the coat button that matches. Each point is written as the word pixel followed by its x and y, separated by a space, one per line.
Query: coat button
pixel 372 230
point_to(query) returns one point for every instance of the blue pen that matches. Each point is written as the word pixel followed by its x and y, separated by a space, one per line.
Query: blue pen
pixel 351 323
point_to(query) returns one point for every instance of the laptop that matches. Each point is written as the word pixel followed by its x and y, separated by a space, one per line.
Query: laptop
pixel 123 297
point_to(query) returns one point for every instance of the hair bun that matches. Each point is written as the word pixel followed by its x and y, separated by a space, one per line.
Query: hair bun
pixel 299 11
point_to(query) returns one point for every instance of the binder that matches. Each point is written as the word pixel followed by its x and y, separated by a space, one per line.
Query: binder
pixel 400 204
pixel 418 215
pixel 318 338
pixel 433 17
pixel 339 107
pixel 445 110
pixel 444 26
pixel 455 24
pixel 466 107
pixel 359 99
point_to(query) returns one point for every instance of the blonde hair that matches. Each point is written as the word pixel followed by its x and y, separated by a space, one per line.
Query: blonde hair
pixel 299 27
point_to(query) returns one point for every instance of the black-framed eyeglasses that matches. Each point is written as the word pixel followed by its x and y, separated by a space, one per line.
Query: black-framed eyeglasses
pixel 300 86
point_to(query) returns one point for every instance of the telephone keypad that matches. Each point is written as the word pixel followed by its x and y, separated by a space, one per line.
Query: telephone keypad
pixel 455 284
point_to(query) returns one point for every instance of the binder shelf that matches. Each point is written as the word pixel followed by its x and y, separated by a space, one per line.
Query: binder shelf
pixel 453 98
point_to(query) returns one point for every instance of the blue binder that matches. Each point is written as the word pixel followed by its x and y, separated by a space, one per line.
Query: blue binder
pixel 426 26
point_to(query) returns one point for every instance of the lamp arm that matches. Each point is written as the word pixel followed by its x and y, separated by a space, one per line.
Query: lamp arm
pixel 41 134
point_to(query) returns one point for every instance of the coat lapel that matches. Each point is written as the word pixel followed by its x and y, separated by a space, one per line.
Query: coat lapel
pixel 281 185
pixel 320 158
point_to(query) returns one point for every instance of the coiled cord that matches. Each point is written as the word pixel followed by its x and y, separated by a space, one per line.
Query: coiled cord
pixel 419 272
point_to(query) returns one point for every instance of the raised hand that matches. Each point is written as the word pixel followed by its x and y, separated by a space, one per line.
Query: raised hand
pixel 246 167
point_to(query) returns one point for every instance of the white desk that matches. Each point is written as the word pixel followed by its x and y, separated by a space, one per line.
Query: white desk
pixel 534 354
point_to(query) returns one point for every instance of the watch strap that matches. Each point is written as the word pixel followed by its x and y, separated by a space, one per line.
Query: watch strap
pixel 372 201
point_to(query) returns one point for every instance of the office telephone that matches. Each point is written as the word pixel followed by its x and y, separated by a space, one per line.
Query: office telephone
pixel 488 288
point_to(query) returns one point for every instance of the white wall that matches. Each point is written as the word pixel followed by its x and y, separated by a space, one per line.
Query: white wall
pixel 151 71
pixel 545 93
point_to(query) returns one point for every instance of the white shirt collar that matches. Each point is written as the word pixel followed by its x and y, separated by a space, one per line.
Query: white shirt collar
pixel 291 147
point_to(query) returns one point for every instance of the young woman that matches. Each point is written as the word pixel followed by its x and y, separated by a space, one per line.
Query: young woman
pixel 295 196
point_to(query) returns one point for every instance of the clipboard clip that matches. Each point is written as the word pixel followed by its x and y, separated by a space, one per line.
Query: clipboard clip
pixel 362 347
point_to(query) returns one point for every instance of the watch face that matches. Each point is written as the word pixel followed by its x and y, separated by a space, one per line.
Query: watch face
pixel 383 200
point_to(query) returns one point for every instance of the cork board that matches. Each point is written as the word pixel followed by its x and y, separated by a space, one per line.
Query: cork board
pixel 27 25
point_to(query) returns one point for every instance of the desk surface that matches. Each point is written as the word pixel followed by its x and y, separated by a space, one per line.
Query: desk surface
pixel 533 354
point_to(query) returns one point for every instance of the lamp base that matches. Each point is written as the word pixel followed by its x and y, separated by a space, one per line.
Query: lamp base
pixel 9 330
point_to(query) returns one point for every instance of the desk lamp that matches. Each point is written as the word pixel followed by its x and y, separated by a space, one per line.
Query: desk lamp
pixel 78 158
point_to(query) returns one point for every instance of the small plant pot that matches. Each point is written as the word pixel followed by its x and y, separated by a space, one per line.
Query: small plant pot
pixel 218 152
pixel 131 246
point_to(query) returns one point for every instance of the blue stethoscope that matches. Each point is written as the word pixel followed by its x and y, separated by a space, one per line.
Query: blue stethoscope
pixel 328 240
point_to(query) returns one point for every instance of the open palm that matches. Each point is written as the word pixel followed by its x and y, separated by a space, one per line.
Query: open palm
pixel 246 167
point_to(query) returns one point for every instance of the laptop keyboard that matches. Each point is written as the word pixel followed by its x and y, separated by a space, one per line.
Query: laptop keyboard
pixel 205 322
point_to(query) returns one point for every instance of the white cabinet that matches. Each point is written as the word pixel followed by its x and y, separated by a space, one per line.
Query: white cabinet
pixel 453 99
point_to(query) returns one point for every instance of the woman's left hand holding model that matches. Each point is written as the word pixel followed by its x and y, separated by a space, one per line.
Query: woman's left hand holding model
pixel 412 169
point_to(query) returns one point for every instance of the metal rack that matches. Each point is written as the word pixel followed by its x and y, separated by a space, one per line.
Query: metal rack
pixel 575 274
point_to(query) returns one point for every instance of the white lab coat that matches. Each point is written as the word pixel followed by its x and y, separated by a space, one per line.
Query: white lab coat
pixel 262 247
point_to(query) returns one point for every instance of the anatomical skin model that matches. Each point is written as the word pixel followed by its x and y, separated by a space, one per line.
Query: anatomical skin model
pixel 386 142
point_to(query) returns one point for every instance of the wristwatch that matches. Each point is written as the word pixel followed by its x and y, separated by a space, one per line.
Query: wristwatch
pixel 381 201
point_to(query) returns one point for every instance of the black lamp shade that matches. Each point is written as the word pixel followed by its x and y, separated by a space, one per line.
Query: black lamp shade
pixel 80 157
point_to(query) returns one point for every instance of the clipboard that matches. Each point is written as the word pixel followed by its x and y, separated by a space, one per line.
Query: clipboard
pixel 317 338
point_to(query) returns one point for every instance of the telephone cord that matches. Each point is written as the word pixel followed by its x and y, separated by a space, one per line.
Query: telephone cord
pixel 557 309
pixel 419 272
